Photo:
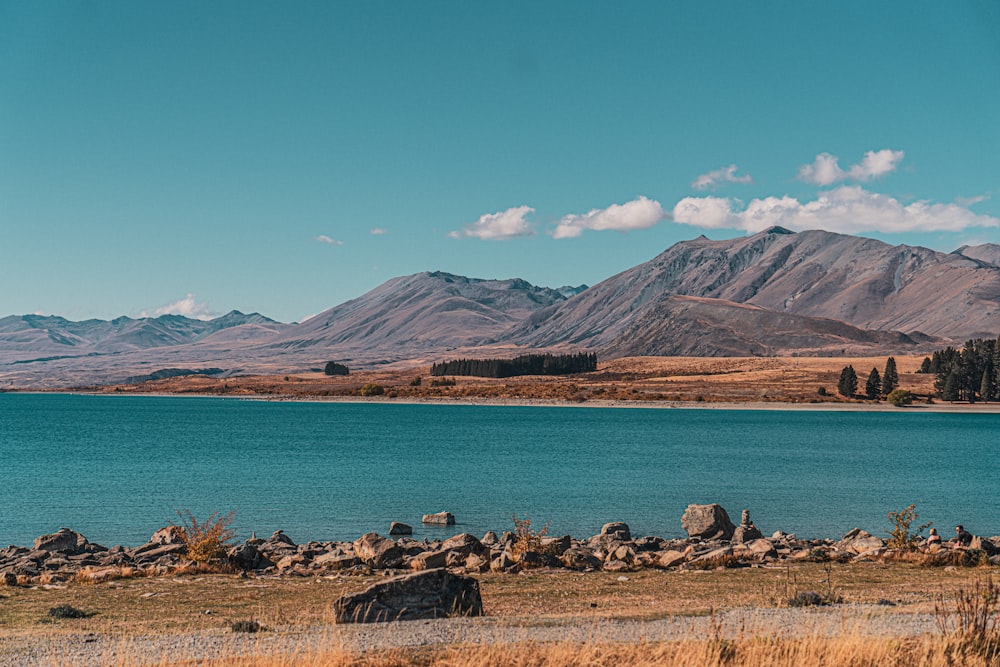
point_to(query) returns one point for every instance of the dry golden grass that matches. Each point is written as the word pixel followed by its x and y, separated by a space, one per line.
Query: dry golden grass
pixel 639 379
pixel 848 650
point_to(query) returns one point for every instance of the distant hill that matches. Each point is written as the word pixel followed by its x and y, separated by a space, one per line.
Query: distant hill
pixel 772 293
pixel 987 252
pixel 862 282
pixel 421 313
pixel 25 337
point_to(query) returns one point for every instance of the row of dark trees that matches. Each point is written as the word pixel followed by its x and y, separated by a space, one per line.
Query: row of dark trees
pixel 333 368
pixel 876 386
pixel 970 374
pixel 528 364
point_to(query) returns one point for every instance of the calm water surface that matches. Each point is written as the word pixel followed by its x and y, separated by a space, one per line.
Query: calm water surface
pixel 116 468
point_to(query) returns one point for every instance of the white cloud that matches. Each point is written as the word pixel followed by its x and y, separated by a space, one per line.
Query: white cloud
pixel 724 175
pixel 498 226
pixel 637 214
pixel 971 201
pixel 378 231
pixel 847 209
pixel 188 307
pixel 323 238
pixel 825 169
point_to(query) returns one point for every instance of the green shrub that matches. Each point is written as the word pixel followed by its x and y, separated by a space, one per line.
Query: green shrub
pixel 899 397
pixel 371 389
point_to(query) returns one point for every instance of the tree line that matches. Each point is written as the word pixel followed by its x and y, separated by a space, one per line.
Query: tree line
pixel 877 385
pixel 970 374
pixel 527 364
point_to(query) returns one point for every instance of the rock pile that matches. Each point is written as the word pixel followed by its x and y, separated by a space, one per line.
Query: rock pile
pixel 66 554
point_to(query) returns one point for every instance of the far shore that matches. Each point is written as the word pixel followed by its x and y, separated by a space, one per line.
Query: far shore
pixel 868 406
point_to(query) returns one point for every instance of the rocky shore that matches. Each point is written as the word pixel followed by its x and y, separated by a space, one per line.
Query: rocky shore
pixel 713 542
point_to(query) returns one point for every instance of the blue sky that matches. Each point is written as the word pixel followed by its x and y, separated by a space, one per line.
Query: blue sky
pixel 286 157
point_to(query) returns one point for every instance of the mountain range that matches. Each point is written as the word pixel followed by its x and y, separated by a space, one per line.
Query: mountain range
pixel 773 293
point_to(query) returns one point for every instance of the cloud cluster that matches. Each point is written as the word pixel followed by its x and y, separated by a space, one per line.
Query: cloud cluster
pixel 637 214
pixel 498 226
pixel 825 169
pixel 378 231
pixel 323 238
pixel 188 307
pixel 725 175
pixel 847 209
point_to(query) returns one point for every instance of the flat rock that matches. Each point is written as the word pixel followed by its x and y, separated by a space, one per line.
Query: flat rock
pixel 439 519
pixel 431 594
pixel 377 551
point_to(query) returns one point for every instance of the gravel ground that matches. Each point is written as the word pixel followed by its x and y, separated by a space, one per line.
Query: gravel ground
pixel 82 650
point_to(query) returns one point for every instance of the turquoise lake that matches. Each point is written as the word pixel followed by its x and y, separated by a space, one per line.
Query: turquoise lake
pixel 118 467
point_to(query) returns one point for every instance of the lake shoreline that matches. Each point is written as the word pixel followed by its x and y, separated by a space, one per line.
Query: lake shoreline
pixel 778 406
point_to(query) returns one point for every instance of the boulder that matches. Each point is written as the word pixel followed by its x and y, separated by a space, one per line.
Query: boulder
pixel 430 560
pixel 397 528
pixel 464 543
pixel 617 529
pixel 63 540
pixel 762 549
pixel 431 594
pixel 336 561
pixel 439 519
pixel 708 522
pixel 377 551
pixel 984 545
pixel 168 535
pixel 580 559
pixel 245 556
pixel 490 539
pixel 502 562
pixel 670 558
pixel 556 546
pixel 277 541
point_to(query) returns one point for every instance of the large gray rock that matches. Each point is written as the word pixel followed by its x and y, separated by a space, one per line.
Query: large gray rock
pixel 377 551
pixel 439 519
pixel 708 522
pixel 169 535
pixel 430 594
pixel 63 540
pixel 618 530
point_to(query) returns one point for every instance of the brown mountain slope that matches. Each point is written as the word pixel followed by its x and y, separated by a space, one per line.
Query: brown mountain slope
pixel 987 252
pixel 700 327
pixel 863 282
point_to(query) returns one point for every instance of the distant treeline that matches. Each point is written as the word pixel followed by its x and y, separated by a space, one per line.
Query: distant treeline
pixel 970 374
pixel 528 364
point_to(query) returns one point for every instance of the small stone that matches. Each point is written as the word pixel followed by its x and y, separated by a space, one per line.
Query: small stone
pixel 397 528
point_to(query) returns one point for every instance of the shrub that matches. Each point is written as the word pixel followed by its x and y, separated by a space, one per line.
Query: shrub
pixel 415 382
pixel 899 397
pixel 526 539
pixel 900 536
pixel 371 389
pixel 207 540
pixel 807 599
pixel 245 626
pixel 68 611
pixel 822 391
pixel 443 382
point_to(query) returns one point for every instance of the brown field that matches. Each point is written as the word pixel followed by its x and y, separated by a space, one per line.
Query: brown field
pixel 634 379
pixel 179 603
pixel 195 609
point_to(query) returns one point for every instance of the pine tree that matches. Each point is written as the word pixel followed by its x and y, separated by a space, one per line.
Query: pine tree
pixel 873 387
pixel 951 384
pixel 890 378
pixel 925 365
pixel 986 386
pixel 848 383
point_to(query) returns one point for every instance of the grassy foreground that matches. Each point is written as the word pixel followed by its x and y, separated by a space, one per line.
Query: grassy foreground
pixel 202 606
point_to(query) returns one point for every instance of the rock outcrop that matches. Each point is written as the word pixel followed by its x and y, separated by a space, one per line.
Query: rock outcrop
pixel 431 594
pixel 708 522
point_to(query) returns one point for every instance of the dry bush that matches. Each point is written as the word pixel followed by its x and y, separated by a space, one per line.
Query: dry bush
pixel 972 624
pixel 526 539
pixel 900 536
pixel 209 539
